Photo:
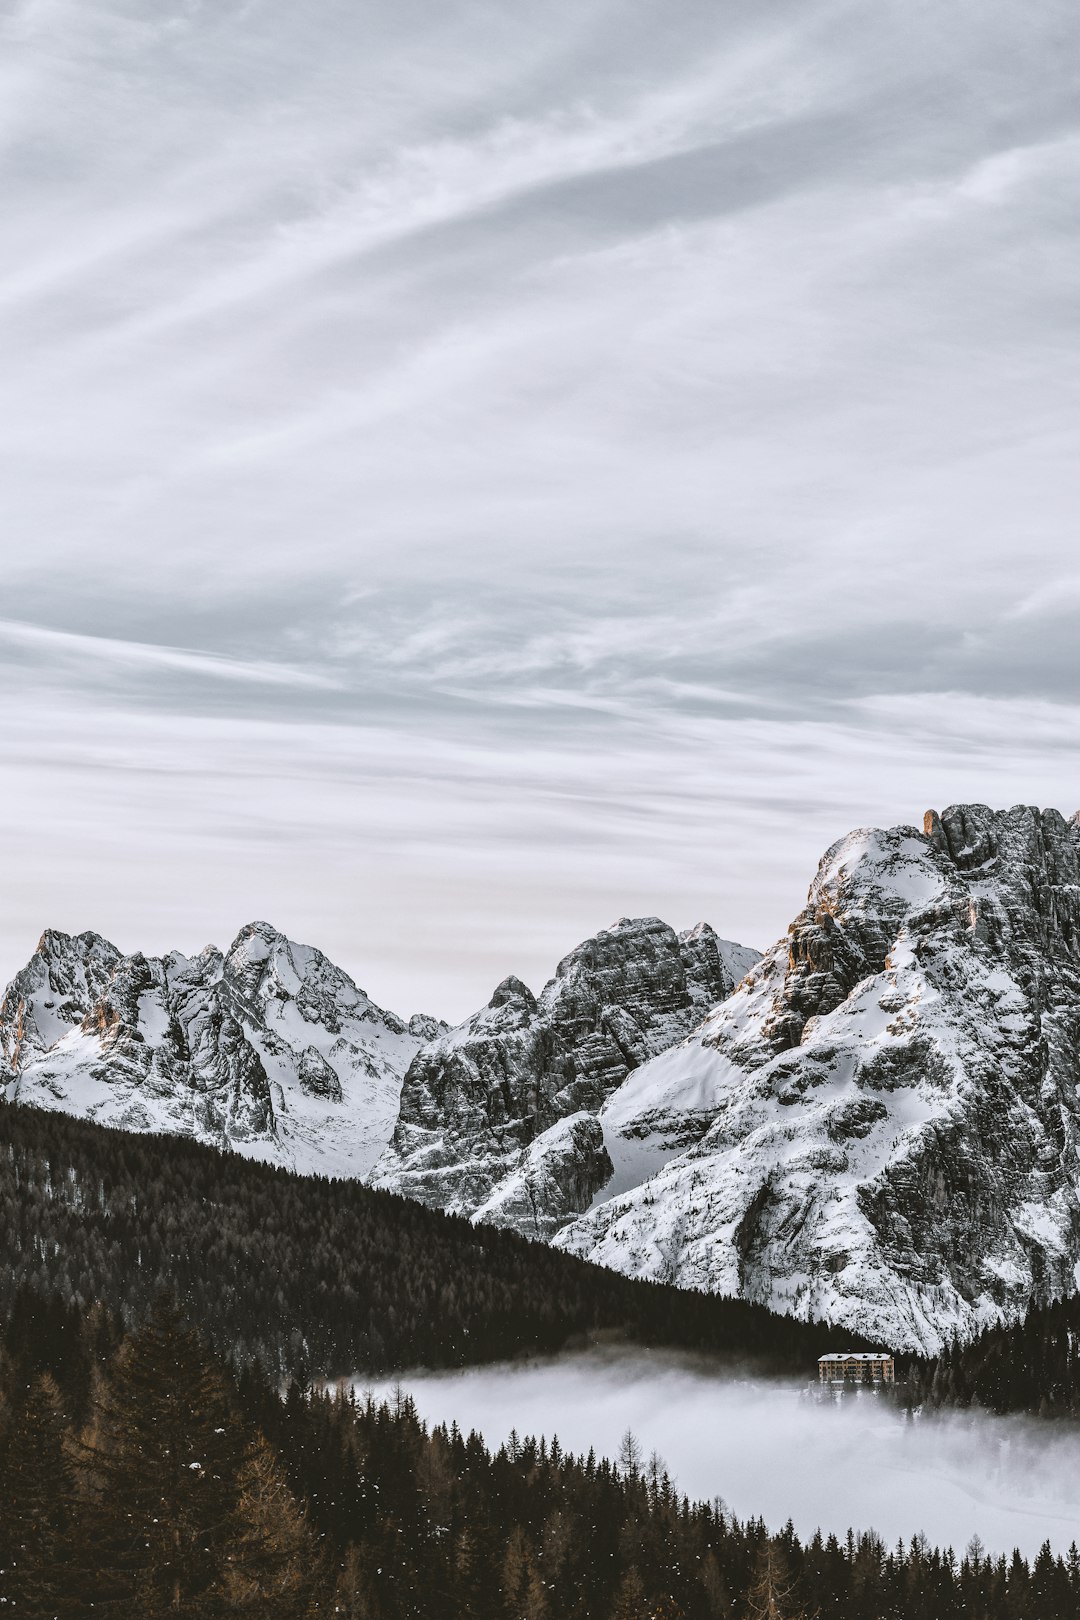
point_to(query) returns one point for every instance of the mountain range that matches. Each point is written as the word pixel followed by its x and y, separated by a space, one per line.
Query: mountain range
pixel 875 1122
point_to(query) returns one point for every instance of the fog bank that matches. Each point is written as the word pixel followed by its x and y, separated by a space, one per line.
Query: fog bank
pixel 767 1447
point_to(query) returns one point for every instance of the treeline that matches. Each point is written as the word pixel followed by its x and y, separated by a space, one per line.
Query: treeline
pixel 1029 1366
pixel 161 1484
pixel 310 1277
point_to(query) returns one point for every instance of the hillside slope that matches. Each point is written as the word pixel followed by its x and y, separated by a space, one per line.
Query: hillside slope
pixel 309 1276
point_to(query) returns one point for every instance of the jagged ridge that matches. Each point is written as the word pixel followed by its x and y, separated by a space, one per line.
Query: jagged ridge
pixel 497 1117
pixel 880 1125
pixel 268 1049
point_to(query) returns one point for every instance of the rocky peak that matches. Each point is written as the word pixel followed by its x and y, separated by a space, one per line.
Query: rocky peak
pixel 53 993
pixel 512 992
pixel 270 1048
pixel 251 958
pixel 264 969
pixel 476 1099
pixel 881 1124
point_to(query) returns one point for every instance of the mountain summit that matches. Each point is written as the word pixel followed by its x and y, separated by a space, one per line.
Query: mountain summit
pixel 498 1116
pixel 880 1125
pixel 269 1049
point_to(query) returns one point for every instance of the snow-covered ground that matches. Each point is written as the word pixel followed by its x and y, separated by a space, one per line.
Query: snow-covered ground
pixel 769 1448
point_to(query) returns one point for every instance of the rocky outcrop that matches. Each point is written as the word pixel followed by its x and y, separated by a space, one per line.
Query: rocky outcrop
pixel 881 1124
pixel 478 1104
pixel 555 1177
pixel 269 1049
pixel 55 991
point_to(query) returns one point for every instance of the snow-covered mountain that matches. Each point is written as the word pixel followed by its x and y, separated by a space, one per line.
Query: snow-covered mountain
pixel 272 1051
pixel 497 1117
pixel 268 1049
pixel 881 1125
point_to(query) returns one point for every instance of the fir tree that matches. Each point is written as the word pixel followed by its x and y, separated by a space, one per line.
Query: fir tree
pixel 158 1467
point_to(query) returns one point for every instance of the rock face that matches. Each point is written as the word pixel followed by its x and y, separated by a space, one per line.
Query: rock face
pixel 554 1178
pixel 486 1111
pixel 269 1050
pixel 881 1125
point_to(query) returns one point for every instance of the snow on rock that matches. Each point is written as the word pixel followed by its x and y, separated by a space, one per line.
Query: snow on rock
pixel 269 1050
pixel 478 1107
pixel 555 1177
pixel 880 1125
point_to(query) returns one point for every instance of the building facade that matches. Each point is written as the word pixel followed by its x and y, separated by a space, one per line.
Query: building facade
pixel 862 1366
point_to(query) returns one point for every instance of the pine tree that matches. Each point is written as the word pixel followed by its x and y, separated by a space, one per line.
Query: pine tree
pixel 630 1600
pixel 772 1596
pixel 522 1585
pixel 353 1597
pixel 157 1467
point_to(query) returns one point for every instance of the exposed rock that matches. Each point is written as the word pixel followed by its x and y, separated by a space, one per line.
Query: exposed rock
pixel 881 1124
pixel 273 1051
pixel 270 1050
pixel 54 992
pixel 556 1176
pixel 426 1028
pixel 476 1101
pixel 317 1078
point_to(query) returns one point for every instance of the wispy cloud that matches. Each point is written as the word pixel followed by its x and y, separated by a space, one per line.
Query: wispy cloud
pixel 83 656
pixel 473 473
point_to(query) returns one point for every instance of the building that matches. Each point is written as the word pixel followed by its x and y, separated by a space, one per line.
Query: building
pixel 862 1366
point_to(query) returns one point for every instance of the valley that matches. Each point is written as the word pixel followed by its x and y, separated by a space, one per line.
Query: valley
pixel 773 1447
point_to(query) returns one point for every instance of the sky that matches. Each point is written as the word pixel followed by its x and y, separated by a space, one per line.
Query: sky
pixel 769 1448
pixel 470 472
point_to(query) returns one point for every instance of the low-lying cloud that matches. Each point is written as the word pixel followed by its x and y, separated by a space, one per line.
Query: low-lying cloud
pixel 774 1449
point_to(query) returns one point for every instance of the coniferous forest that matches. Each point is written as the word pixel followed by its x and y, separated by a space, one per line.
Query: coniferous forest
pixel 141 1477
pixel 311 1277
pixel 1028 1366
pixel 170 1443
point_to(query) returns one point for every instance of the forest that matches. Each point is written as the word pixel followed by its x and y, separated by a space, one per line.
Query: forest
pixel 174 1438
pixel 310 1277
pixel 141 1477
pixel 1028 1366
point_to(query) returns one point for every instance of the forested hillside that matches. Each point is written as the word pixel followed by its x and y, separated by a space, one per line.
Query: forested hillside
pixel 1028 1366
pixel 161 1486
pixel 314 1277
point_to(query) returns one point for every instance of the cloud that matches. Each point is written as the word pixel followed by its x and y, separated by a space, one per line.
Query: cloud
pixel 61 652
pixel 465 477
pixel 769 1448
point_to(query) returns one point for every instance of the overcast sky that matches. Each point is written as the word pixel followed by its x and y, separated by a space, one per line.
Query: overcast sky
pixel 472 471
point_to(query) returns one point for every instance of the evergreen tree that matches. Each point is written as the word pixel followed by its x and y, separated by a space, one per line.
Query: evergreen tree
pixel 772 1595
pixel 158 1467
pixel 630 1599
pixel 523 1589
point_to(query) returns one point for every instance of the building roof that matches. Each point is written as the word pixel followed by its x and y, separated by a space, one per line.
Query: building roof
pixel 857 1355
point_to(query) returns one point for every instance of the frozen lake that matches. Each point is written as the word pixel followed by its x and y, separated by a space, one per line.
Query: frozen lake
pixel 767 1448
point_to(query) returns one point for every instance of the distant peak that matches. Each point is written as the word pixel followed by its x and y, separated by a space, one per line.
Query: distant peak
pixel 512 989
pixel 55 943
pixel 256 933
